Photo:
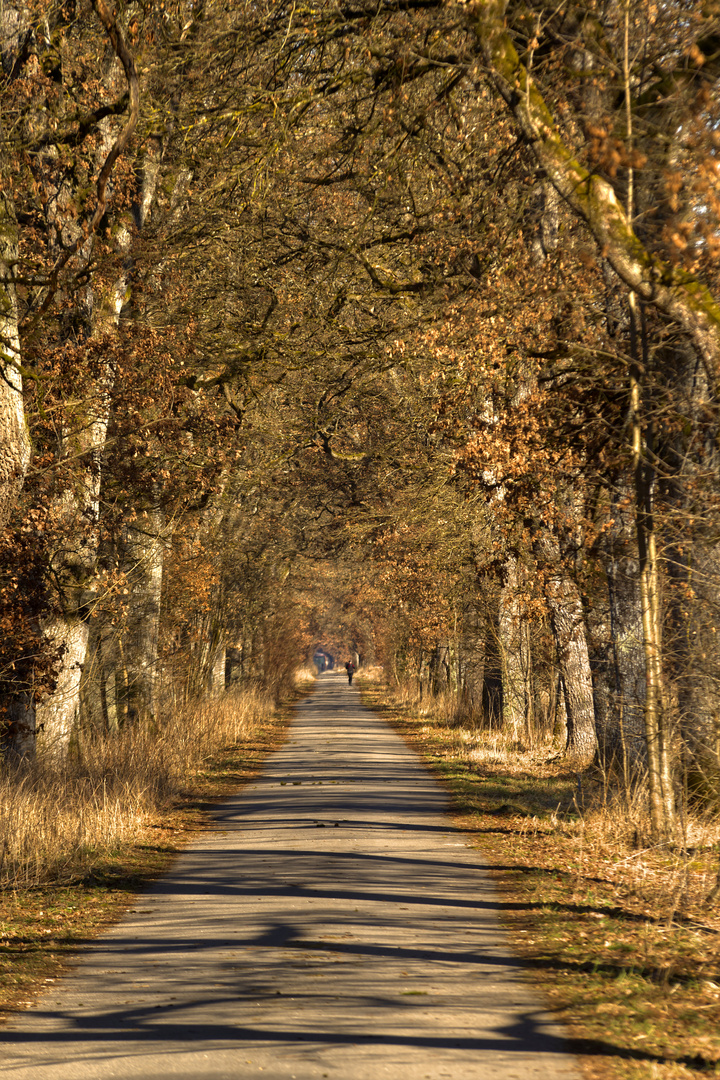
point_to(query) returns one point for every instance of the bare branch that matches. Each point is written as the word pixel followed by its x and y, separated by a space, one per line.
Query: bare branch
pixel 117 38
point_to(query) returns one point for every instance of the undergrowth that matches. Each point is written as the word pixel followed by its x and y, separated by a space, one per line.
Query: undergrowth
pixel 57 819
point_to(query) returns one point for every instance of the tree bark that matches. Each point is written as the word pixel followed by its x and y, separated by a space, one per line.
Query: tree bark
pixel 693 626
pixel 657 734
pixel 14 444
pixel 514 648
pixel 14 438
pixel 568 624
pixel 622 678
pixel 73 566
pixel 697 571
pixel 143 564
pixel 217 673
pixel 57 715
pixel 82 438
pixel 674 291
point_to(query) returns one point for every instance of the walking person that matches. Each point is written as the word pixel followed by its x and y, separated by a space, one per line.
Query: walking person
pixel 350 668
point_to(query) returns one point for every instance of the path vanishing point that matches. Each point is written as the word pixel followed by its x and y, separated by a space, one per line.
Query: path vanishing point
pixel 336 924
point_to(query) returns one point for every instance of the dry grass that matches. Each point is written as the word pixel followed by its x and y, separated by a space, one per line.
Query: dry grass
pixel 57 821
pixel 605 821
pixel 304 677
pixel 617 930
pixel 105 833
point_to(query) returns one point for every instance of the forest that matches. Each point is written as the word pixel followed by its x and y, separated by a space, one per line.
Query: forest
pixel 387 327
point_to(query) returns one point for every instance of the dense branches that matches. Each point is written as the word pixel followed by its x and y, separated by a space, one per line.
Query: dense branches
pixel 389 327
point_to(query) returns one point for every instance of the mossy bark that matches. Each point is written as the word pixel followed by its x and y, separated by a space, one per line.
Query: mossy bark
pixel 677 293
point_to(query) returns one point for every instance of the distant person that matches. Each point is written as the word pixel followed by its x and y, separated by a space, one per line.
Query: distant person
pixel 350 668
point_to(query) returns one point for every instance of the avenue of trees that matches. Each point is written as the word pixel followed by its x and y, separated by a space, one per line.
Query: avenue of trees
pixel 385 326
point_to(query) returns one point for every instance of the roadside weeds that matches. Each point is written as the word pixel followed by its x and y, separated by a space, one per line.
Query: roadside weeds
pixel 43 925
pixel 618 937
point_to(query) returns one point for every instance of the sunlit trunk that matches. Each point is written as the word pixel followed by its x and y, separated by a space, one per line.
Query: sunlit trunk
pixel 567 620
pixel 142 562
pixel 14 438
pixel 19 736
pixel 217 673
pixel 57 714
pixel 514 649
pixel 73 562
pixel 618 656
pixel 657 734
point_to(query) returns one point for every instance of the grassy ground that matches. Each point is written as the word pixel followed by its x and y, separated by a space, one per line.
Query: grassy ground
pixel 617 933
pixel 42 926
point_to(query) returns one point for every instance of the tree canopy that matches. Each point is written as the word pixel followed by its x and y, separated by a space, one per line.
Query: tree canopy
pixel 389 328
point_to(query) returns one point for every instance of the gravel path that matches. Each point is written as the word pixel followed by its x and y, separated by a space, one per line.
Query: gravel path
pixel 335 925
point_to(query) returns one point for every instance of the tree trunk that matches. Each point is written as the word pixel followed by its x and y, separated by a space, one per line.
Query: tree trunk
pixel 618 660
pixel 82 438
pixel 674 291
pixel 657 733
pixel 217 674
pixel 143 564
pixel 19 738
pixel 492 687
pixel 57 714
pixel 559 713
pixel 568 625
pixel 697 661
pixel 73 562
pixel 514 649
pixel 693 656
pixel 14 438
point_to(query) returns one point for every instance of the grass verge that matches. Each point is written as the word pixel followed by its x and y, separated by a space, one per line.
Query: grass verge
pixel 618 935
pixel 43 924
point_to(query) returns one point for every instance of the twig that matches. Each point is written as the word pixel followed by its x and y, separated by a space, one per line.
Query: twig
pixel 117 38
